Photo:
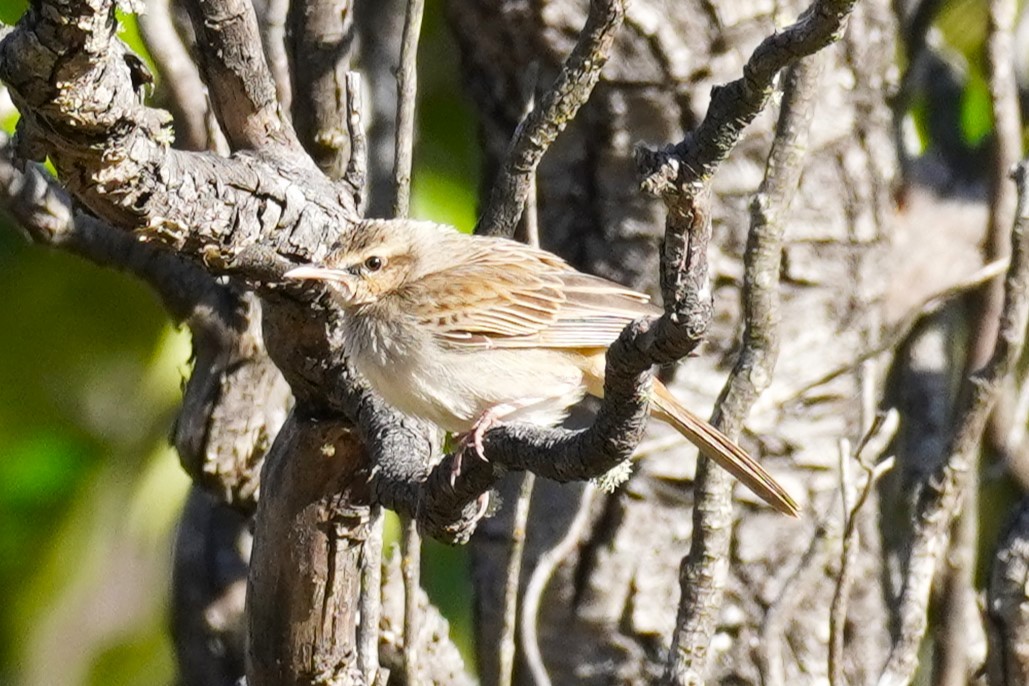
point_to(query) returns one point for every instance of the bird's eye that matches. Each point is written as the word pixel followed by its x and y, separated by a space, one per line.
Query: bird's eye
pixel 374 264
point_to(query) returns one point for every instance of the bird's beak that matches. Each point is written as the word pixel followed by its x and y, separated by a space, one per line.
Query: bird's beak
pixel 311 272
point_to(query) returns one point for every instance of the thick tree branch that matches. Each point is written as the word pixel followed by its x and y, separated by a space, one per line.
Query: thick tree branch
pixel 320 36
pixel 301 627
pixel 235 399
pixel 113 153
pixel 232 62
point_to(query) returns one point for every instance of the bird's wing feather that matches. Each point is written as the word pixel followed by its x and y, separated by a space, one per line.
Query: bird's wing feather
pixel 507 295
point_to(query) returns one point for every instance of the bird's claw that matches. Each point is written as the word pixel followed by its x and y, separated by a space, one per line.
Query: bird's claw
pixel 473 439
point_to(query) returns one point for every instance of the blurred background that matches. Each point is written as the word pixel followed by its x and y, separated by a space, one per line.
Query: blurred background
pixel 90 376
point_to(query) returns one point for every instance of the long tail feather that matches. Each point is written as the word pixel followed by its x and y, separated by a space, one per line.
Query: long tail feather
pixel 717 446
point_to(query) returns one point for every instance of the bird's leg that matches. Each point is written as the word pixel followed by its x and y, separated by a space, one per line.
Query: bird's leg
pixel 486 421
pixel 489 419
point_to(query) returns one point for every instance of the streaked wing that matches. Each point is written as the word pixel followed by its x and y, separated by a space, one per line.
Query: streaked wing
pixel 507 295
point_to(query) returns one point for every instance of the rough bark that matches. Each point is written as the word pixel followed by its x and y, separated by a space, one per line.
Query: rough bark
pixel 607 614
pixel 228 227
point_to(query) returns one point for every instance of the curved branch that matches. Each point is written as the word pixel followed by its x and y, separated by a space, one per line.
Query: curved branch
pixel 675 171
pixel 570 90
pixel 113 154
pixel 187 92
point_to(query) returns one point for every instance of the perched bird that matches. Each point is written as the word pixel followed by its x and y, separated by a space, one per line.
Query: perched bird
pixel 467 331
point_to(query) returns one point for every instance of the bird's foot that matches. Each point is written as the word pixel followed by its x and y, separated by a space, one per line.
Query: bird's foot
pixel 473 440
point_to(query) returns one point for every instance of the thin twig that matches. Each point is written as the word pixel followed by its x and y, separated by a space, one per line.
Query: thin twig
pixel 356 175
pixel 849 558
pixel 558 106
pixel 512 582
pixel 960 634
pixel 187 93
pixel 879 434
pixel 941 498
pixel 545 567
pixel 513 576
pixel 410 565
pixel 273 38
pixel 899 332
pixel 371 598
pixel 407 90
pixel 1000 61
pixel 407 94
pixel 940 502
pixel 703 573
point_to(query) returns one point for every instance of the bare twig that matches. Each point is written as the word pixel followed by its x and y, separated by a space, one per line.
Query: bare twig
pixel 512 579
pixel 273 38
pixel 1000 60
pixel 442 661
pixel 407 91
pixel 407 95
pixel 959 634
pixel 410 565
pixel 546 566
pixel 513 574
pixel 703 574
pixel 955 642
pixel 878 436
pixel 676 171
pixel 570 90
pixel 941 498
pixel 371 598
pixel 356 175
pixel 187 93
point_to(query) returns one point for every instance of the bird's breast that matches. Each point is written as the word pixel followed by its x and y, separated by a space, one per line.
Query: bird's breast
pixel 452 388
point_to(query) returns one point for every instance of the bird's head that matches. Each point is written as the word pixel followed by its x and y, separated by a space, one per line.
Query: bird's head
pixel 372 262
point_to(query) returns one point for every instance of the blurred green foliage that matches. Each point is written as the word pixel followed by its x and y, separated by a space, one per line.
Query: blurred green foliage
pixel 10 10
